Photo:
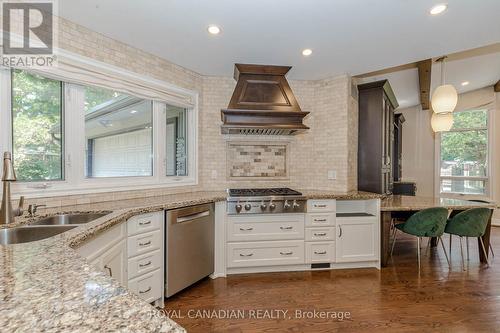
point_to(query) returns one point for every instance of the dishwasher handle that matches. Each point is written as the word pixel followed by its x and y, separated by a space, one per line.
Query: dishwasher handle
pixel 192 217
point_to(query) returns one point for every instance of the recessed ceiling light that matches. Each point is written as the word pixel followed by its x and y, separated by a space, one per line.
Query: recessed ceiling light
pixel 307 52
pixel 133 111
pixel 465 83
pixel 213 29
pixel 438 9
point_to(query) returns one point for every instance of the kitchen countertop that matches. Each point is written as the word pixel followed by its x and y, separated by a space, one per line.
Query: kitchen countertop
pixel 409 203
pixel 47 286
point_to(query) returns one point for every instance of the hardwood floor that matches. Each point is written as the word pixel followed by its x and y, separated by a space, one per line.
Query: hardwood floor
pixel 395 299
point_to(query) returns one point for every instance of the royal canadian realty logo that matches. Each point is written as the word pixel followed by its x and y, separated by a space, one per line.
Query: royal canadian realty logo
pixel 28 33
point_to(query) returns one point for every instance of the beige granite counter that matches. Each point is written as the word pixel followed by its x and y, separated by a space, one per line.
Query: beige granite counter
pixel 46 286
pixel 409 203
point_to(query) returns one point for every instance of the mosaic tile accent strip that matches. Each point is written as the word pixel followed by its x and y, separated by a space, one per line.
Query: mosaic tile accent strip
pixel 257 160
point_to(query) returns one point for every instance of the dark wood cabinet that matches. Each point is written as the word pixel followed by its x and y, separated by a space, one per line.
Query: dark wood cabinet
pixel 376 137
pixel 397 168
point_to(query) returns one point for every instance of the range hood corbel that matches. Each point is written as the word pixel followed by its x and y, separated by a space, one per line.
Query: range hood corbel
pixel 262 103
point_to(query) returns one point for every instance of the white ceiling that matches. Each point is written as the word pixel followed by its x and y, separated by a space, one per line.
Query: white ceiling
pixel 346 36
pixel 480 71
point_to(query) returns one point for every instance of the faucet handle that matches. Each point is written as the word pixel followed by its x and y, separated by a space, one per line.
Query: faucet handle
pixel 19 210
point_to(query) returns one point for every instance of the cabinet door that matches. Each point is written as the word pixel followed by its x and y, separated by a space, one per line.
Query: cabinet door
pixel 357 239
pixel 114 262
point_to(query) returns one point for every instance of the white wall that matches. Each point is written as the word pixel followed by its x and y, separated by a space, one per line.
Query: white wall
pixel 418 150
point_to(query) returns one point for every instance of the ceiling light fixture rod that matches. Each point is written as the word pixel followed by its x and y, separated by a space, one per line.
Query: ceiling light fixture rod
pixel 442 61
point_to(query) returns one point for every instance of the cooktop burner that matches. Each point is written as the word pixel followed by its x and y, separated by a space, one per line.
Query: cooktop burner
pixel 261 192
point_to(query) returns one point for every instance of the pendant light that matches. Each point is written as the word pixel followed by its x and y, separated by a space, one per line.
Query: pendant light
pixel 442 122
pixel 445 97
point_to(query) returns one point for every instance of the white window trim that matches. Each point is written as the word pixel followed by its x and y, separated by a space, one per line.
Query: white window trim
pixel 75 181
pixel 490 172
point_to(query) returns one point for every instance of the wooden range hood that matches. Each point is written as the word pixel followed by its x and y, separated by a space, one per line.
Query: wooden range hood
pixel 262 103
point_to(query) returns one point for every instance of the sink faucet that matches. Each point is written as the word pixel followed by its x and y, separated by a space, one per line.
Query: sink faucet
pixel 7 213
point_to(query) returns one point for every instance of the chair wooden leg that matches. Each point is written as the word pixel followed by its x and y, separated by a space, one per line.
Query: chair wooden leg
pixel 444 250
pixel 462 253
pixel 394 240
pixel 418 252
pixel 484 251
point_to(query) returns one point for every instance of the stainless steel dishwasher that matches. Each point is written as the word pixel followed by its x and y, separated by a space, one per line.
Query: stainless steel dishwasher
pixel 189 246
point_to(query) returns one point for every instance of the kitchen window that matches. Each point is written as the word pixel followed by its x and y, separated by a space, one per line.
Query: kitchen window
pixel 78 138
pixel 464 166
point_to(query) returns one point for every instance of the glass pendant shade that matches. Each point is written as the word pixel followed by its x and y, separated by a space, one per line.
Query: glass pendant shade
pixel 444 99
pixel 441 122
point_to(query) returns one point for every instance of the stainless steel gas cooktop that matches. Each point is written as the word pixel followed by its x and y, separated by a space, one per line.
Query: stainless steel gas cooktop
pixel 265 201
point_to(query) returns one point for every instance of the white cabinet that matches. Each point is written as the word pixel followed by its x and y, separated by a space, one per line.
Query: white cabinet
pixel 261 227
pixel 252 254
pixel 114 262
pixel 320 232
pixel 357 239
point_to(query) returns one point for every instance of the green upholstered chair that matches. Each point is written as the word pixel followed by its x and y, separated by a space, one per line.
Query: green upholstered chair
pixel 469 223
pixel 430 222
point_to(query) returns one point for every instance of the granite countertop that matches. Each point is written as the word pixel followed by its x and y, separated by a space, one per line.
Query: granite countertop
pixel 408 203
pixel 47 286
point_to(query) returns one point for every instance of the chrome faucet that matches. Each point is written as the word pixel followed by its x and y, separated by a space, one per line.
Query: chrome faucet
pixel 7 213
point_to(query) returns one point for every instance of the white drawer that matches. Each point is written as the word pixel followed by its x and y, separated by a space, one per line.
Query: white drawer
pixel 318 206
pixel 144 223
pixel 317 252
pixel 252 254
pixel 104 241
pixel 145 263
pixel 320 234
pixel 144 243
pixel 148 287
pixel 265 227
pixel 320 220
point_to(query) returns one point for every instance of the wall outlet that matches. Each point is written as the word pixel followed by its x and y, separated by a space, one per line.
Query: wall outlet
pixel 214 174
pixel 332 174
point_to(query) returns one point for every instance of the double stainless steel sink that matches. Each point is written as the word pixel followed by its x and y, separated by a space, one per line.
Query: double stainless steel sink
pixel 46 227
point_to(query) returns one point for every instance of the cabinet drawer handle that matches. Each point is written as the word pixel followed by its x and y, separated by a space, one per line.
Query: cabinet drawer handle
pixel 320 234
pixel 144 244
pixel 286 228
pixel 340 228
pixel 320 220
pixel 146 264
pixel 246 229
pixel 320 206
pixel 145 223
pixel 246 255
pixel 144 291
pixel 322 252
pixel 109 270
pixel 286 253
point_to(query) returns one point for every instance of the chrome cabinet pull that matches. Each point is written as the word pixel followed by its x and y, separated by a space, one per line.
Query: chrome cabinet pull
pixel 146 264
pixel 144 291
pixel 340 228
pixel 246 229
pixel 319 220
pixel 320 234
pixel 109 270
pixel 322 252
pixel 144 244
pixel 320 206
pixel 286 228
pixel 145 223
pixel 246 255
pixel 286 253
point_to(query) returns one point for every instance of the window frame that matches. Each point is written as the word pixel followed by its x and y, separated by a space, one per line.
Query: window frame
pixel 74 181
pixel 488 179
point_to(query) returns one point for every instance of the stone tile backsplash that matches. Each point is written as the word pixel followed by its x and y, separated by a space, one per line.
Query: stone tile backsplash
pixel 256 160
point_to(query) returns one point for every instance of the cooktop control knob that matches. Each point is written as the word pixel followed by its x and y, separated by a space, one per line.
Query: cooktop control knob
pixel 272 206
pixel 248 206
pixel 263 206
pixel 238 208
pixel 286 205
pixel 295 204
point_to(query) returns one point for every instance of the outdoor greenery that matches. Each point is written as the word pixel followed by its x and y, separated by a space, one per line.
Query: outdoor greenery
pixel 467 149
pixel 37 126
pixel 95 96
